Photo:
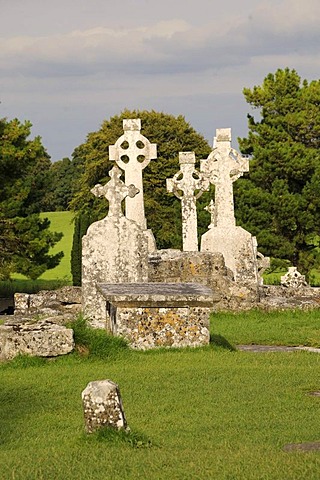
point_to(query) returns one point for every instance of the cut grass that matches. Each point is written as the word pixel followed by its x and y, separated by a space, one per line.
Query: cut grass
pixel 208 413
pixel 268 328
pixel 203 413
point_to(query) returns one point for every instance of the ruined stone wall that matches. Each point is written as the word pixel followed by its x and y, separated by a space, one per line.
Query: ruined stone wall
pixel 207 269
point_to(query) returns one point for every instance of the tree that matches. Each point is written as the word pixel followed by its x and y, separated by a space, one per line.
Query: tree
pixel 25 239
pixel 81 224
pixel 172 135
pixel 63 175
pixel 278 201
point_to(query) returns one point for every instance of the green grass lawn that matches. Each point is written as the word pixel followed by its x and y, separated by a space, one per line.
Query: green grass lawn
pixel 209 413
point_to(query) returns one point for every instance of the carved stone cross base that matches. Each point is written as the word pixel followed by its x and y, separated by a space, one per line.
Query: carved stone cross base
pixel 114 250
pixel 238 248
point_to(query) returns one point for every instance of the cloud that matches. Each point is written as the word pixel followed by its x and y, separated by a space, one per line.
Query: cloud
pixel 167 47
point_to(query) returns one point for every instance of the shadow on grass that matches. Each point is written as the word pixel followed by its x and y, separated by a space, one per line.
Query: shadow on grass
pixel 220 341
pixel 114 437
pixel 16 404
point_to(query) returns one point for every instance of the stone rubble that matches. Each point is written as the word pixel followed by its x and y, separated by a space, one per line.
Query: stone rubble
pixel 41 339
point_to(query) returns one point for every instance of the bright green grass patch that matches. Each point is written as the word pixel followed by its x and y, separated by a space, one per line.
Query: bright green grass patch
pixel 268 328
pixel 208 414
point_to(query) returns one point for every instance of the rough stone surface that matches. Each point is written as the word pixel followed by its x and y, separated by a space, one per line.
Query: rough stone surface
pixel 152 327
pixel 114 250
pixel 238 248
pixel 188 185
pixel 64 302
pixel 102 406
pixel 154 315
pixel 206 268
pixel 275 348
pixel 133 152
pixel 302 447
pixel 223 167
pixel 293 279
pixel 276 297
pixel 41 339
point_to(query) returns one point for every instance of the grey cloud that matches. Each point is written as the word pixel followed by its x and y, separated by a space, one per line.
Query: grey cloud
pixel 165 47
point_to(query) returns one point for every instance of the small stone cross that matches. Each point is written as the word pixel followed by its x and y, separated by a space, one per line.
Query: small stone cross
pixel 114 191
pixel 223 167
pixel 212 210
pixel 188 185
pixel 132 152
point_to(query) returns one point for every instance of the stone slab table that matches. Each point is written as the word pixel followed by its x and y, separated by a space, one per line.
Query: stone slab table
pixel 151 315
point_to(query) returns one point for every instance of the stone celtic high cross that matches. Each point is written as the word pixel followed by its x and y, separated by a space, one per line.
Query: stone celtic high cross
pixel 188 185
pixel 132 152
pixel 115 191
pixel 223 167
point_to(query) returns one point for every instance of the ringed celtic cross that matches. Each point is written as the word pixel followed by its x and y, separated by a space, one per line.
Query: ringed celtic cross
pixel 132 152
pixel 188 185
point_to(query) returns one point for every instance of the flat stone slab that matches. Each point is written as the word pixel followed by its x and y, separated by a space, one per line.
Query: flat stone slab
pixel 302 447
pixel 274 348
pixel 158 294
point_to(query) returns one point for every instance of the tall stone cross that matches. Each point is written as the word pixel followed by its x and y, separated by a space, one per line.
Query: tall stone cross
pixel 115 191
pixel 188 185
pixel 132 152
pixel 223 167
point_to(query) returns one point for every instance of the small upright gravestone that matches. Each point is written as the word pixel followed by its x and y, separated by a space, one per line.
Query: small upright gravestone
pixel 293 279
pixel 114 250
pixel 102 406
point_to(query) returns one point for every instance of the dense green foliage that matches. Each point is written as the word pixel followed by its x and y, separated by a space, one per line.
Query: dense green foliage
pixel 25 239
pixel 81 224
pixel 207 412
pixel 172 135
pixel 62 177
pixel 279 200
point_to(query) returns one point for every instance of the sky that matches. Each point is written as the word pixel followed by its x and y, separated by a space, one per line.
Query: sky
pixel 68 65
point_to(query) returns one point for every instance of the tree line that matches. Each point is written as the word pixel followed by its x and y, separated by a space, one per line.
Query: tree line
pixel 278 200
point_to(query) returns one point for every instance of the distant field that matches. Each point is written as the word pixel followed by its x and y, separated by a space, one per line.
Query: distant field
pixel 60 222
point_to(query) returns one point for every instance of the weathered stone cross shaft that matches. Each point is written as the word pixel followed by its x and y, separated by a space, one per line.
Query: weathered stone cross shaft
pixel 132 152
pixel 188 185
pixel 115 191
pixel 223 167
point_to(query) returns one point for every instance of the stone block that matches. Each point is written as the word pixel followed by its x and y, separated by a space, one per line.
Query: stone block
pixel 41 339
pixel 102 406
pixel 151 315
